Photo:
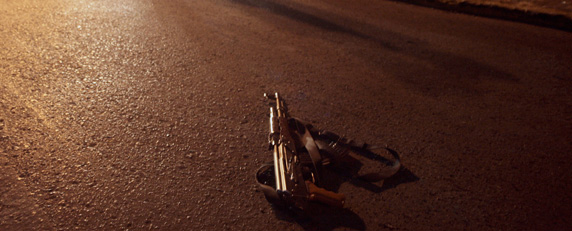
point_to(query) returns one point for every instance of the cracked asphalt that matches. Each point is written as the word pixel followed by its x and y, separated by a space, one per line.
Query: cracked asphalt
pixel 144 115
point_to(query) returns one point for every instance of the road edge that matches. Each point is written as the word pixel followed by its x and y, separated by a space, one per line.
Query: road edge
pixel 544 19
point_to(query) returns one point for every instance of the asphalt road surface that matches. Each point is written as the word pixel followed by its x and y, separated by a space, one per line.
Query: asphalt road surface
pixel 147 114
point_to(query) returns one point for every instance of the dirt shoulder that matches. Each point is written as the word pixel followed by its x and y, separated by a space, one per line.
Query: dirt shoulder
pixel 548 13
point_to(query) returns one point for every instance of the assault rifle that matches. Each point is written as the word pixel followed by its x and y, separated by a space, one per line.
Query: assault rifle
pixel 300 151
pixel 297 161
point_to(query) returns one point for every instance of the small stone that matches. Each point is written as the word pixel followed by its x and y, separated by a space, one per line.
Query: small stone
pixel 191 154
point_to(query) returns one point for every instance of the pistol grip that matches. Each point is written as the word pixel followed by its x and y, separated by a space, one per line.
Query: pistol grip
pixel 325 196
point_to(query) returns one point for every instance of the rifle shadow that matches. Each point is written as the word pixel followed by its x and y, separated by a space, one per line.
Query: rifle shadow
pixel 322 217
pixel 403 176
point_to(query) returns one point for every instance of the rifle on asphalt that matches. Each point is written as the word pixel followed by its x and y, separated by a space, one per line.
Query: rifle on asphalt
pixel 300 152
